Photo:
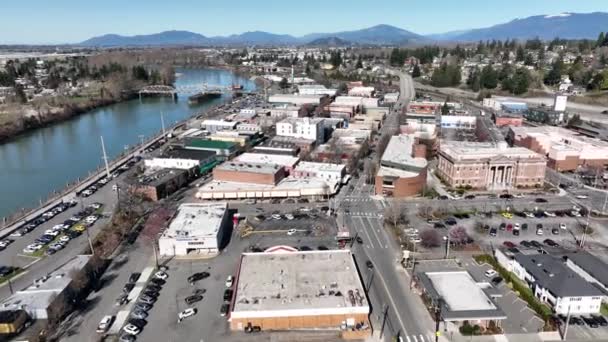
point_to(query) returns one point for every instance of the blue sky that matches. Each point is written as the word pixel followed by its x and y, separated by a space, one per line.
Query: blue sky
pixel 69 21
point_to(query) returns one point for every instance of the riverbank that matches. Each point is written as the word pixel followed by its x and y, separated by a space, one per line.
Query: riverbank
pixel 16 119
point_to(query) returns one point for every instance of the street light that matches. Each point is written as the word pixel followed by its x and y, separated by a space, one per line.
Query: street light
pixel 447 245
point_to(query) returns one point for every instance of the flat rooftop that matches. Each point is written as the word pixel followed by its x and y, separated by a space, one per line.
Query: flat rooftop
pixel 249 167
pixel 40 293
pixel 298 283
pixel 399 152
pixel 154 177
pixel 319 167
pixel 287 187
pixel 182 153
pixel 463 150
pixel 196 220
pixel 274 159
pixel 460 291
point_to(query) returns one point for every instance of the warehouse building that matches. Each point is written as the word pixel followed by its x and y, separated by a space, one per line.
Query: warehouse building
pixel 156 184
pixel 180 158
pixel 45 297
pixel 286 290
pixel 197 230
pixel 256 173
pixel 222 149
pixel 296 100
pixel 288 162
pixel 290 187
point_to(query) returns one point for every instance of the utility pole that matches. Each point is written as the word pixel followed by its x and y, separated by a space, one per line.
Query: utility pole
pixel 438 318
pixel 105 157
pixel 584 239
pixel 162 124
pixel 447 246
pixel 413 267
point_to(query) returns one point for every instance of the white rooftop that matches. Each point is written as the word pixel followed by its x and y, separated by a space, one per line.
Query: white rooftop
pixel 218 123
pixel 399 151
pixel 249 167
pixel 463 150
pixel 262 158
pixel 319 167
pixel 196 220
pixel 460 291
pixel 287 187
pixel 298 283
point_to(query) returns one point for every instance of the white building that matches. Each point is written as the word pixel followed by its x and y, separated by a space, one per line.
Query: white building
pixel 213 126
pixel 316 89
pixel 552 282
pixel 459 121
pixel 288 162
pixel 196 230
pixel 286 112
pixel 297 100
pixel 362 91
pixel 331 173
pixel 307 128
pixel 391 97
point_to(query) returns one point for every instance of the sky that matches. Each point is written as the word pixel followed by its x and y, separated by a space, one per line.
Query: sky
pixel 72 21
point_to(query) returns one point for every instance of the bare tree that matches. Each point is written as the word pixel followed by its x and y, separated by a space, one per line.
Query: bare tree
pixel 394 213
pixel 430 238
pixel 459 236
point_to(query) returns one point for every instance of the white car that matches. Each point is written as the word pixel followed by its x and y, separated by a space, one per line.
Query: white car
pixel 91 219
pixel 18 233
pixel 291 232
pixel 576 213
pixel 276 216
pixel 34 246
pixel 95 206
pixel 5 243
pixel 51 232
pixel 539 231
pixel 529 214
pixel 56 246
pixel 490 273
pixel 229 281
pixel 289 217
pixel 115 187
pixel 161 275
pixel 28 250
pixel 186 313
pixel 64 238
pixel 562 226
pixel 60 226
pixel 549 214
pixel 516 226
pixel 131 329
pixel 105 324
pixel 582 196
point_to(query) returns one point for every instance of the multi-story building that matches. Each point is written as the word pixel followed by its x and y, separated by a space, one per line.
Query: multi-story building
pixel 565 149
pixel 257 173
pixel 489 166
pixel 331 173
pixel 307 128
pixel 546 116
pixel 403 168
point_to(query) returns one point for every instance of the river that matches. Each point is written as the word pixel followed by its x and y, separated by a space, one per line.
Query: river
pixel 36 164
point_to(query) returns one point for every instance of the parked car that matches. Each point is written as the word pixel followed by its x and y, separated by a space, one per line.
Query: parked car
pixel 540 200
pixel 186 313
pixel 193 299
pixel 123 299
pixel 224 309
pixel 491 273
pixel 134 277
pixel 493 232
pixel 508 244
pixel 142 307
pixel 229 281
pixel 228 294
pixel 131 329
pixel 161 275
pixel 128 287
pixel 369 264
pixel 496 280
pixel 140 314
pixel 105 324
pixel 197 276
pixel 590 322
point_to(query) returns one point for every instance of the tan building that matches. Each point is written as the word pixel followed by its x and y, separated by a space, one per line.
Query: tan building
pixel 565 149
pixel 285 289
pixel 256 173
pixel 403 168
pixel 489 166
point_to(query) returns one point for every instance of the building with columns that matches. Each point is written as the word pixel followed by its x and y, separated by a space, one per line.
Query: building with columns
pixel 489 166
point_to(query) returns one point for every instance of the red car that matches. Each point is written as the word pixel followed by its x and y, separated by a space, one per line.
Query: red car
pixel 508 244
pixel 509 227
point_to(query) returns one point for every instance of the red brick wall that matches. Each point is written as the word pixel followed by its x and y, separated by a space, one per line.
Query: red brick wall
pixel 504 121
pixel 403 187
pixel 249 177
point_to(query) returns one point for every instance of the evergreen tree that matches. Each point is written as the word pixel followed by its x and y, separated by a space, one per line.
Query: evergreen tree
pixel 554 76
pixel 473 80
pixel 445 110
pixel 529 59
pixel 488 78
pixel 520 55
pixel 521 81
pixel 601 39
pixel 359 63
pixel 416 71
pixel 283 84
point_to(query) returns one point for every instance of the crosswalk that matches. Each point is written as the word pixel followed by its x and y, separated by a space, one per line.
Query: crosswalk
pixel 416 338
pixel 366 214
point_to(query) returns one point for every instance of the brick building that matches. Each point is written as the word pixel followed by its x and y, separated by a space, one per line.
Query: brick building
pixel 565 149
pixel 403 168
pixel 256 173
pixel 489 166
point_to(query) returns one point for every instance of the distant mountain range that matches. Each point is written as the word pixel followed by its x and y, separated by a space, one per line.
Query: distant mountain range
pixel 565 25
